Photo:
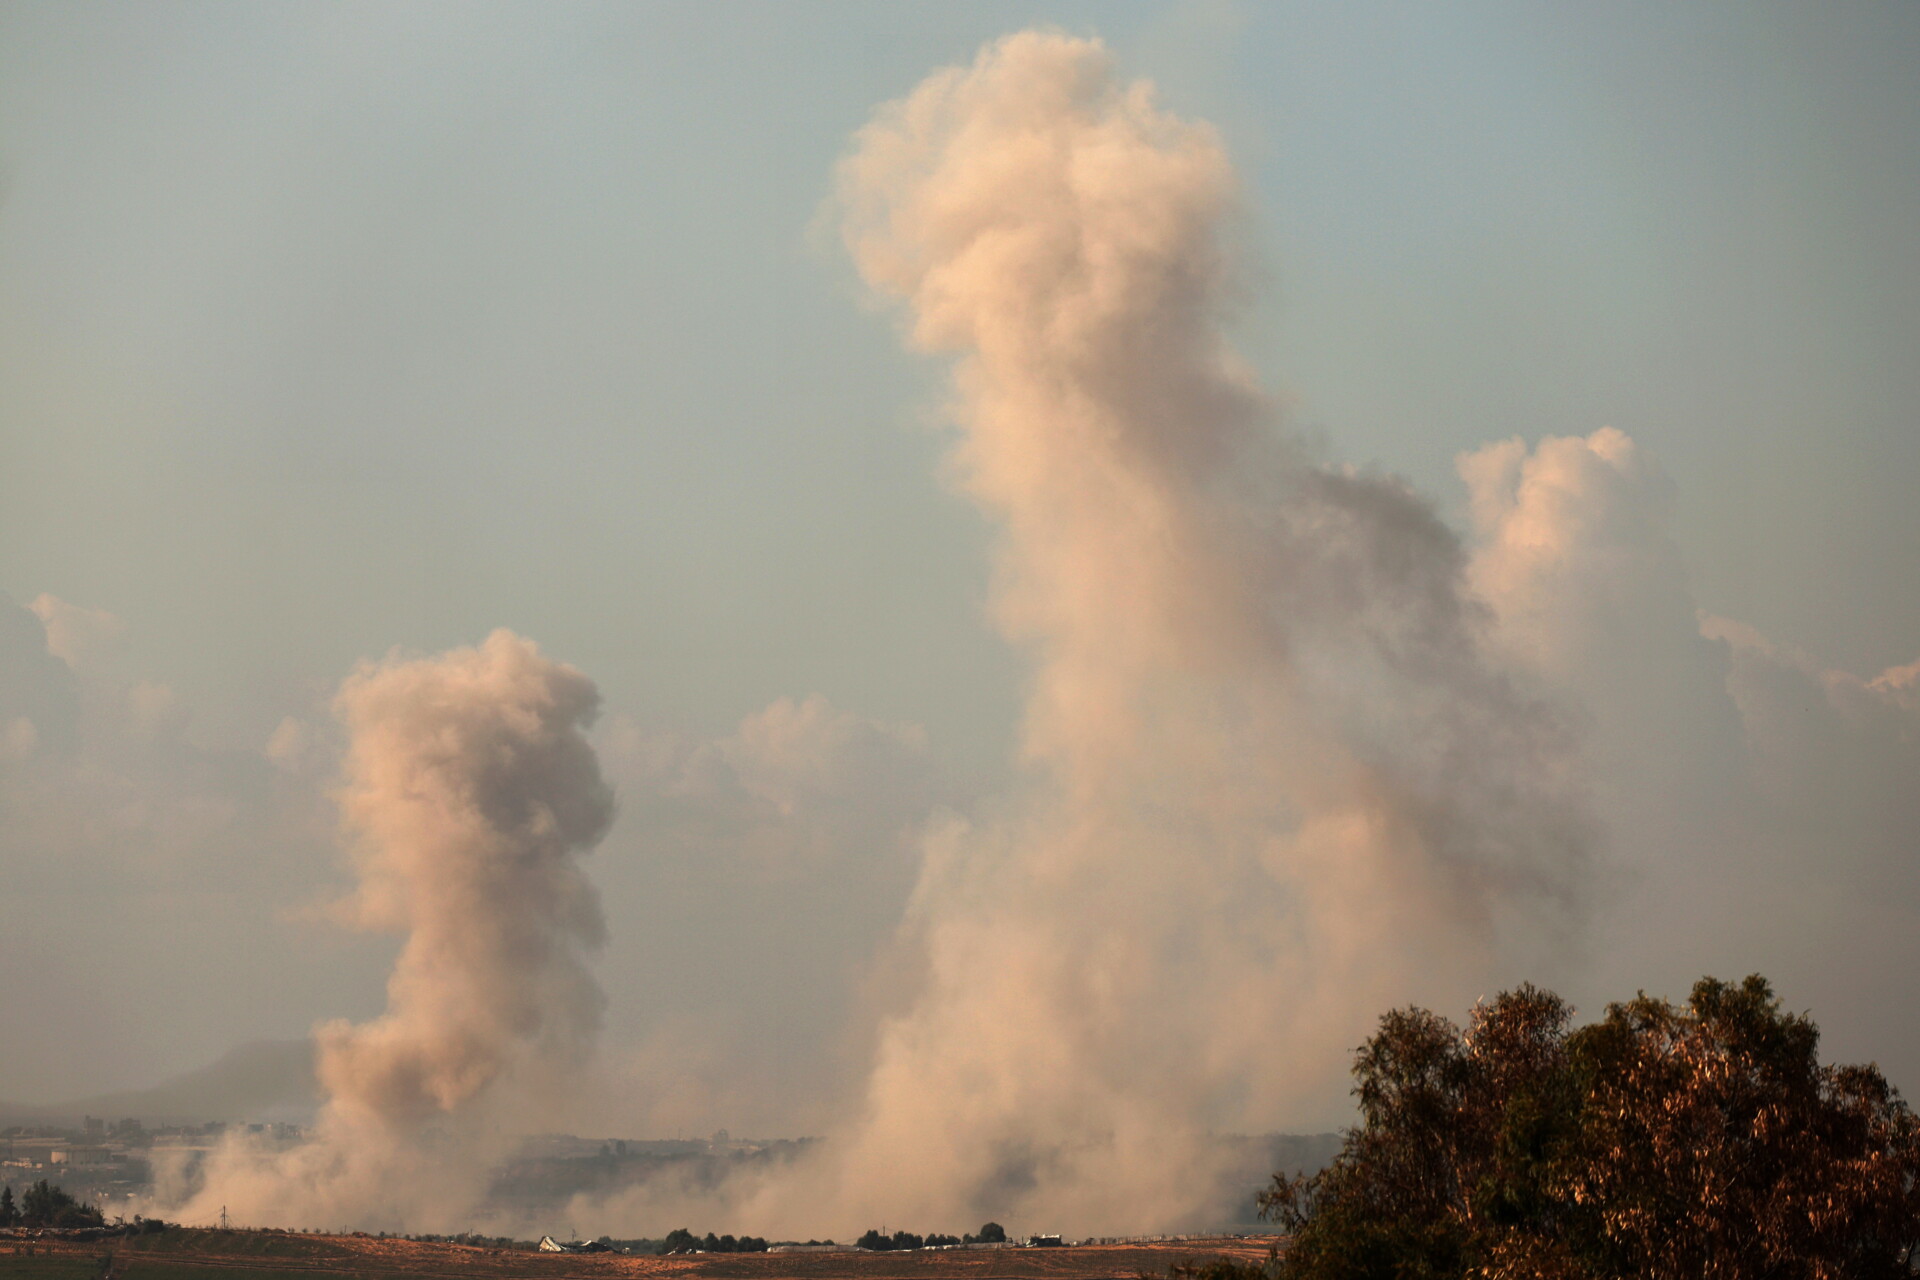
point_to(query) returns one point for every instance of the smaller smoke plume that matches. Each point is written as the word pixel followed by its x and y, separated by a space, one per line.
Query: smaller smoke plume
pixel 470 794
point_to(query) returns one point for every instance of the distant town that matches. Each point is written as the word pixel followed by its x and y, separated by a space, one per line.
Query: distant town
pixel 111 1163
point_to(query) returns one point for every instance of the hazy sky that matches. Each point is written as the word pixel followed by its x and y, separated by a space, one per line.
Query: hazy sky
pixel 326 330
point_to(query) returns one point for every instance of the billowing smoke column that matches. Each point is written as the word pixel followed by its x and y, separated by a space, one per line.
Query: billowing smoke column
pixel 470 793
pixel 1280 785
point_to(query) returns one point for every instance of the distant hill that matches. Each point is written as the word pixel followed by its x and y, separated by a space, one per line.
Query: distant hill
pixel 264 1080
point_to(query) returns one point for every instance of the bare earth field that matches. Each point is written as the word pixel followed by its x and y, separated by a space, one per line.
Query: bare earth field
pixel 250 1255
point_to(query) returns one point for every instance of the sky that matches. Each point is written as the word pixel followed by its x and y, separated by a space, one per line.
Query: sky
pixel 333 331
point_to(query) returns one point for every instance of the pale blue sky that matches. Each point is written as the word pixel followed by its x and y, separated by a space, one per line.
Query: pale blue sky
pixel 328 329
pixel 334 328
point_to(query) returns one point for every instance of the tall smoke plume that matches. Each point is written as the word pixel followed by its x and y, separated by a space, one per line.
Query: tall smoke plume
pixel 1278 785
pixel 1297 752
pixel 470 794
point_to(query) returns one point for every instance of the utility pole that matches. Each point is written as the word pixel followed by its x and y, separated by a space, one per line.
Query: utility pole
pixel 223 1219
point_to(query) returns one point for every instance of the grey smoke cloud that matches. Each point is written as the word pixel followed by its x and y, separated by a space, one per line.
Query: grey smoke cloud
pixel 1761 806
pixel 39 698
pixel 798 785
pixel 761 874
pixel 470 794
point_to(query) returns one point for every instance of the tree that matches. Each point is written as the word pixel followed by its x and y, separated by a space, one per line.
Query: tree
pixel 991 1233
pixel 49 1206
pixel 1659 1142
pixel 8 1214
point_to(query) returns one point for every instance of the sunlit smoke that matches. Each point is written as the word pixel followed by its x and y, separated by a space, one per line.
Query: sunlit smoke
pixel 469 795
pixel 1281 788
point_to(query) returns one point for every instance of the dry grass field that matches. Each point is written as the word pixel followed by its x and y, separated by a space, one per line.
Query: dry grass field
pixel 248 1255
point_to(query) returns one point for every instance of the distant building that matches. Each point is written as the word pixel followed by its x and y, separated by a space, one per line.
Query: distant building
pixel 549 1245
pixel 76 1155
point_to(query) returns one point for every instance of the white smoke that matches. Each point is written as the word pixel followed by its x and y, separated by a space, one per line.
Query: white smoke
pixel 470 794
pixel 1279 787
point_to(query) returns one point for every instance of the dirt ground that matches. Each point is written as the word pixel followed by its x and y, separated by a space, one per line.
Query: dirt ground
pixel 246 1255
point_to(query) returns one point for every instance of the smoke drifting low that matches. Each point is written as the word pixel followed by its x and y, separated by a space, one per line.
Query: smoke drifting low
pixel 470 794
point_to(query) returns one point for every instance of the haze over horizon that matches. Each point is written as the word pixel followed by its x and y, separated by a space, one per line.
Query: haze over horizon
pixel 1419 506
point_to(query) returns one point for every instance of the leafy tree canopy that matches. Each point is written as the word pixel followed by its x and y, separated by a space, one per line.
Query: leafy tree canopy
pixel 1662 1142
pixel 681 1240
pixel 44 1205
